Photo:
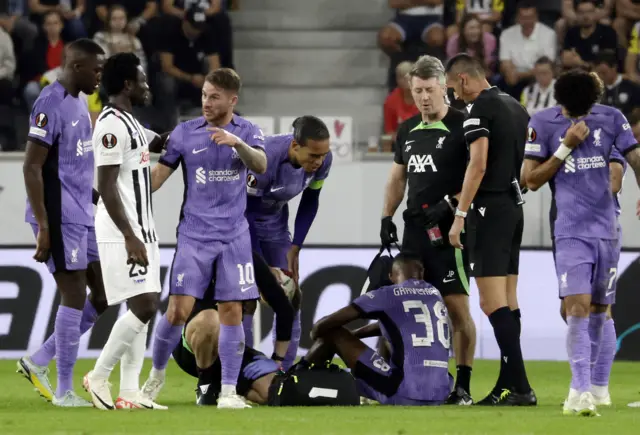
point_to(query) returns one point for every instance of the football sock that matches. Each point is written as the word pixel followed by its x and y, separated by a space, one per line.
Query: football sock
pixel 506 332
pixel 292 350
pixel 517 315
pixel 601 370
pixel 67 332
pixel 131 364
pixel 165 340
pixel 247 325
pixel 123 334
pixel 596 324
pixel 47 351
pixel 230 352
pixel 206 376
pixel 579 351
pixel 463 378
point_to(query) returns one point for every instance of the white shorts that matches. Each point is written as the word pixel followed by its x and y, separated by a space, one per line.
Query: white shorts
pixel 123 281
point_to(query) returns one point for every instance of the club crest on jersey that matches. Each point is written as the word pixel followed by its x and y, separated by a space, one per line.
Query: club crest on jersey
pixel 251 180
pixel 109 141
pixel 531 134
pixel 41 120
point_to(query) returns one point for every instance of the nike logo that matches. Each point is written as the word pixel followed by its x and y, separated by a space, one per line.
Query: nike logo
pixel 145 406
pixel 607 294
pixel 75 123
pixel 409 141
pixel 199 151
pixel 275 189
pixel 105 404
pixel 448 280
pixel 244 289
pixel 577 360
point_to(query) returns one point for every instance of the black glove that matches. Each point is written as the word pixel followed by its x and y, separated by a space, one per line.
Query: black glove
pixel 435 213
pixel 388 232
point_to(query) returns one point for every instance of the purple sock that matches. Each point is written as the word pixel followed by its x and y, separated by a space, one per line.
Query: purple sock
pixel 247 325
pixel 230 351
pixel 47 351
pixel 602 369
pixel 292 350
pixel 579 351
pixel 67 332
pixel 596 322
pixel 165 340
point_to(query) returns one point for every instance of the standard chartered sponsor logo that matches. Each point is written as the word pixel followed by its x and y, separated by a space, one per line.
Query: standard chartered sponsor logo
pixel 583 163
pixel 201 176
pixel 223 175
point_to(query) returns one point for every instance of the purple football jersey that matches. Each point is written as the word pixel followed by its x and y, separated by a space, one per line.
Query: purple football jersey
pixel 278 186
pixel 214 175
pixel 61 123
pixel 581 187
pixel 413 317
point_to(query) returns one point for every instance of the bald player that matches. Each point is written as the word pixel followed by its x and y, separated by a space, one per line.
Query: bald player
pixel 58 176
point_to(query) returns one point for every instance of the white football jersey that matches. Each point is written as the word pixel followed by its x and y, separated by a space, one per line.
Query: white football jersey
pixel 119 139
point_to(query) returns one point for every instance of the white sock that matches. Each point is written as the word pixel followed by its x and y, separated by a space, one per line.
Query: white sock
pixel 600 390
pixel 228 390
pixel 131 365
pixel 157 373
pixel 123 333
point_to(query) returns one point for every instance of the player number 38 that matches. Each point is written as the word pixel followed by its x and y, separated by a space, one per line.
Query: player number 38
pixel 424 317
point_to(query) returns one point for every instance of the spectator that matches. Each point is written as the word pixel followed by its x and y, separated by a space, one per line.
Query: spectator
pixel 586 39
pixel 416 21
pixel 475 42
pixel 539 95
pixel 569 16
pixel 621 93
pixel 7 68
pixel 489 12
pixel 399 105
pixel 521 45
pixel 70 10
pixel 627 13
pixel 141 14
pixel 187 52
pixel 46 55
pixel 631 61
pixel 14 21
pixel 115 39
pixel 217 19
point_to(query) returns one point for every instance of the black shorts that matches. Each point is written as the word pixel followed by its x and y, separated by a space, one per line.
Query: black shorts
pixel 445 267
pixel 494 226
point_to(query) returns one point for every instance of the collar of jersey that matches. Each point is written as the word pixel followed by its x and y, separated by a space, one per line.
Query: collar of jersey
pixel 435 126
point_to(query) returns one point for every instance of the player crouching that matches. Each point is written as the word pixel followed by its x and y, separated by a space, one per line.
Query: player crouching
pixel 413 318
pixel 199 348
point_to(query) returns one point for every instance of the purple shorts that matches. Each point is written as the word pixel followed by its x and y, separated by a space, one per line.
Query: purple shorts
pixel 73 247
pixel 275 253
pixel 587 266
pixel 379 380
pixel 196 264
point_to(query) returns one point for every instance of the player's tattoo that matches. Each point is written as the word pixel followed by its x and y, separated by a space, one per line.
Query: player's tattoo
pixel 254 159
pixel 633 158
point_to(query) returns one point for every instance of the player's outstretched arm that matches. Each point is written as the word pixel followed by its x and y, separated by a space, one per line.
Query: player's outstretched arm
pixel 633 158
pixel 254 158
pixel 34 159
pixel 394 191
pixel 335 320
pixel 157 145
pixel 159 174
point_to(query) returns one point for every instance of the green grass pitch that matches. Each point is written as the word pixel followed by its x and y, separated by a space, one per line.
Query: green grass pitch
pixel 23 412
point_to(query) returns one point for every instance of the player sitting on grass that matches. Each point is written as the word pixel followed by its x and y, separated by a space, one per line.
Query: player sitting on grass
pixel 199 348
pixel 412 317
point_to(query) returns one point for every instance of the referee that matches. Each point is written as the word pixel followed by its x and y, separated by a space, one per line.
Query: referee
pixel 431 155
pixel 495 132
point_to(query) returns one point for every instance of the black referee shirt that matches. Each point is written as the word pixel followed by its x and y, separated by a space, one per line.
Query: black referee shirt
pixel 500 118
pixel 435 156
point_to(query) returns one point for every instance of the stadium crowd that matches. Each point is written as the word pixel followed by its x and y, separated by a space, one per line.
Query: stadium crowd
pixel 178 42
pixel 523 44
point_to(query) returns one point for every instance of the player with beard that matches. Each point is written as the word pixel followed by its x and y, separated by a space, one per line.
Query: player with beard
pixel 215 152
pixel 125 231
pixel 298 162
pixel 431 156
pixel 58 175
pixel 578 137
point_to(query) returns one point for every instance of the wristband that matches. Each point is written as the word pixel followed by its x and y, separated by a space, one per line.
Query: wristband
pixel 562 152
pixel 276 357
pixel 460 213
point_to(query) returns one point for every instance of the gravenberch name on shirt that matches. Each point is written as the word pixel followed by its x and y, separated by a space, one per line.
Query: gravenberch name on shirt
pixel 401 291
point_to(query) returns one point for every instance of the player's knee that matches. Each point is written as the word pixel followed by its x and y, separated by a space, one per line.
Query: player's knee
pixel 578 309
pixel 249 307
pixel 230 312
pixel 388 37
pixel 434 36
pixel 177 313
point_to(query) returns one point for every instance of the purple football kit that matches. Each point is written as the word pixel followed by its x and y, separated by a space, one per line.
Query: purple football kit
pixel 61 123
pixel 585 227
pixel 269 195
pixel 213 233
pixel 413 318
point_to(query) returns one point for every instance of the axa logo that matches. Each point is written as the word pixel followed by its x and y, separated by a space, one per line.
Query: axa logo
pixel 419 163
pixel 201 176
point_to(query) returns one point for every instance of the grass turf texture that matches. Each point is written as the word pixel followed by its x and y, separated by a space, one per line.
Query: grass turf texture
pixel 23 412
